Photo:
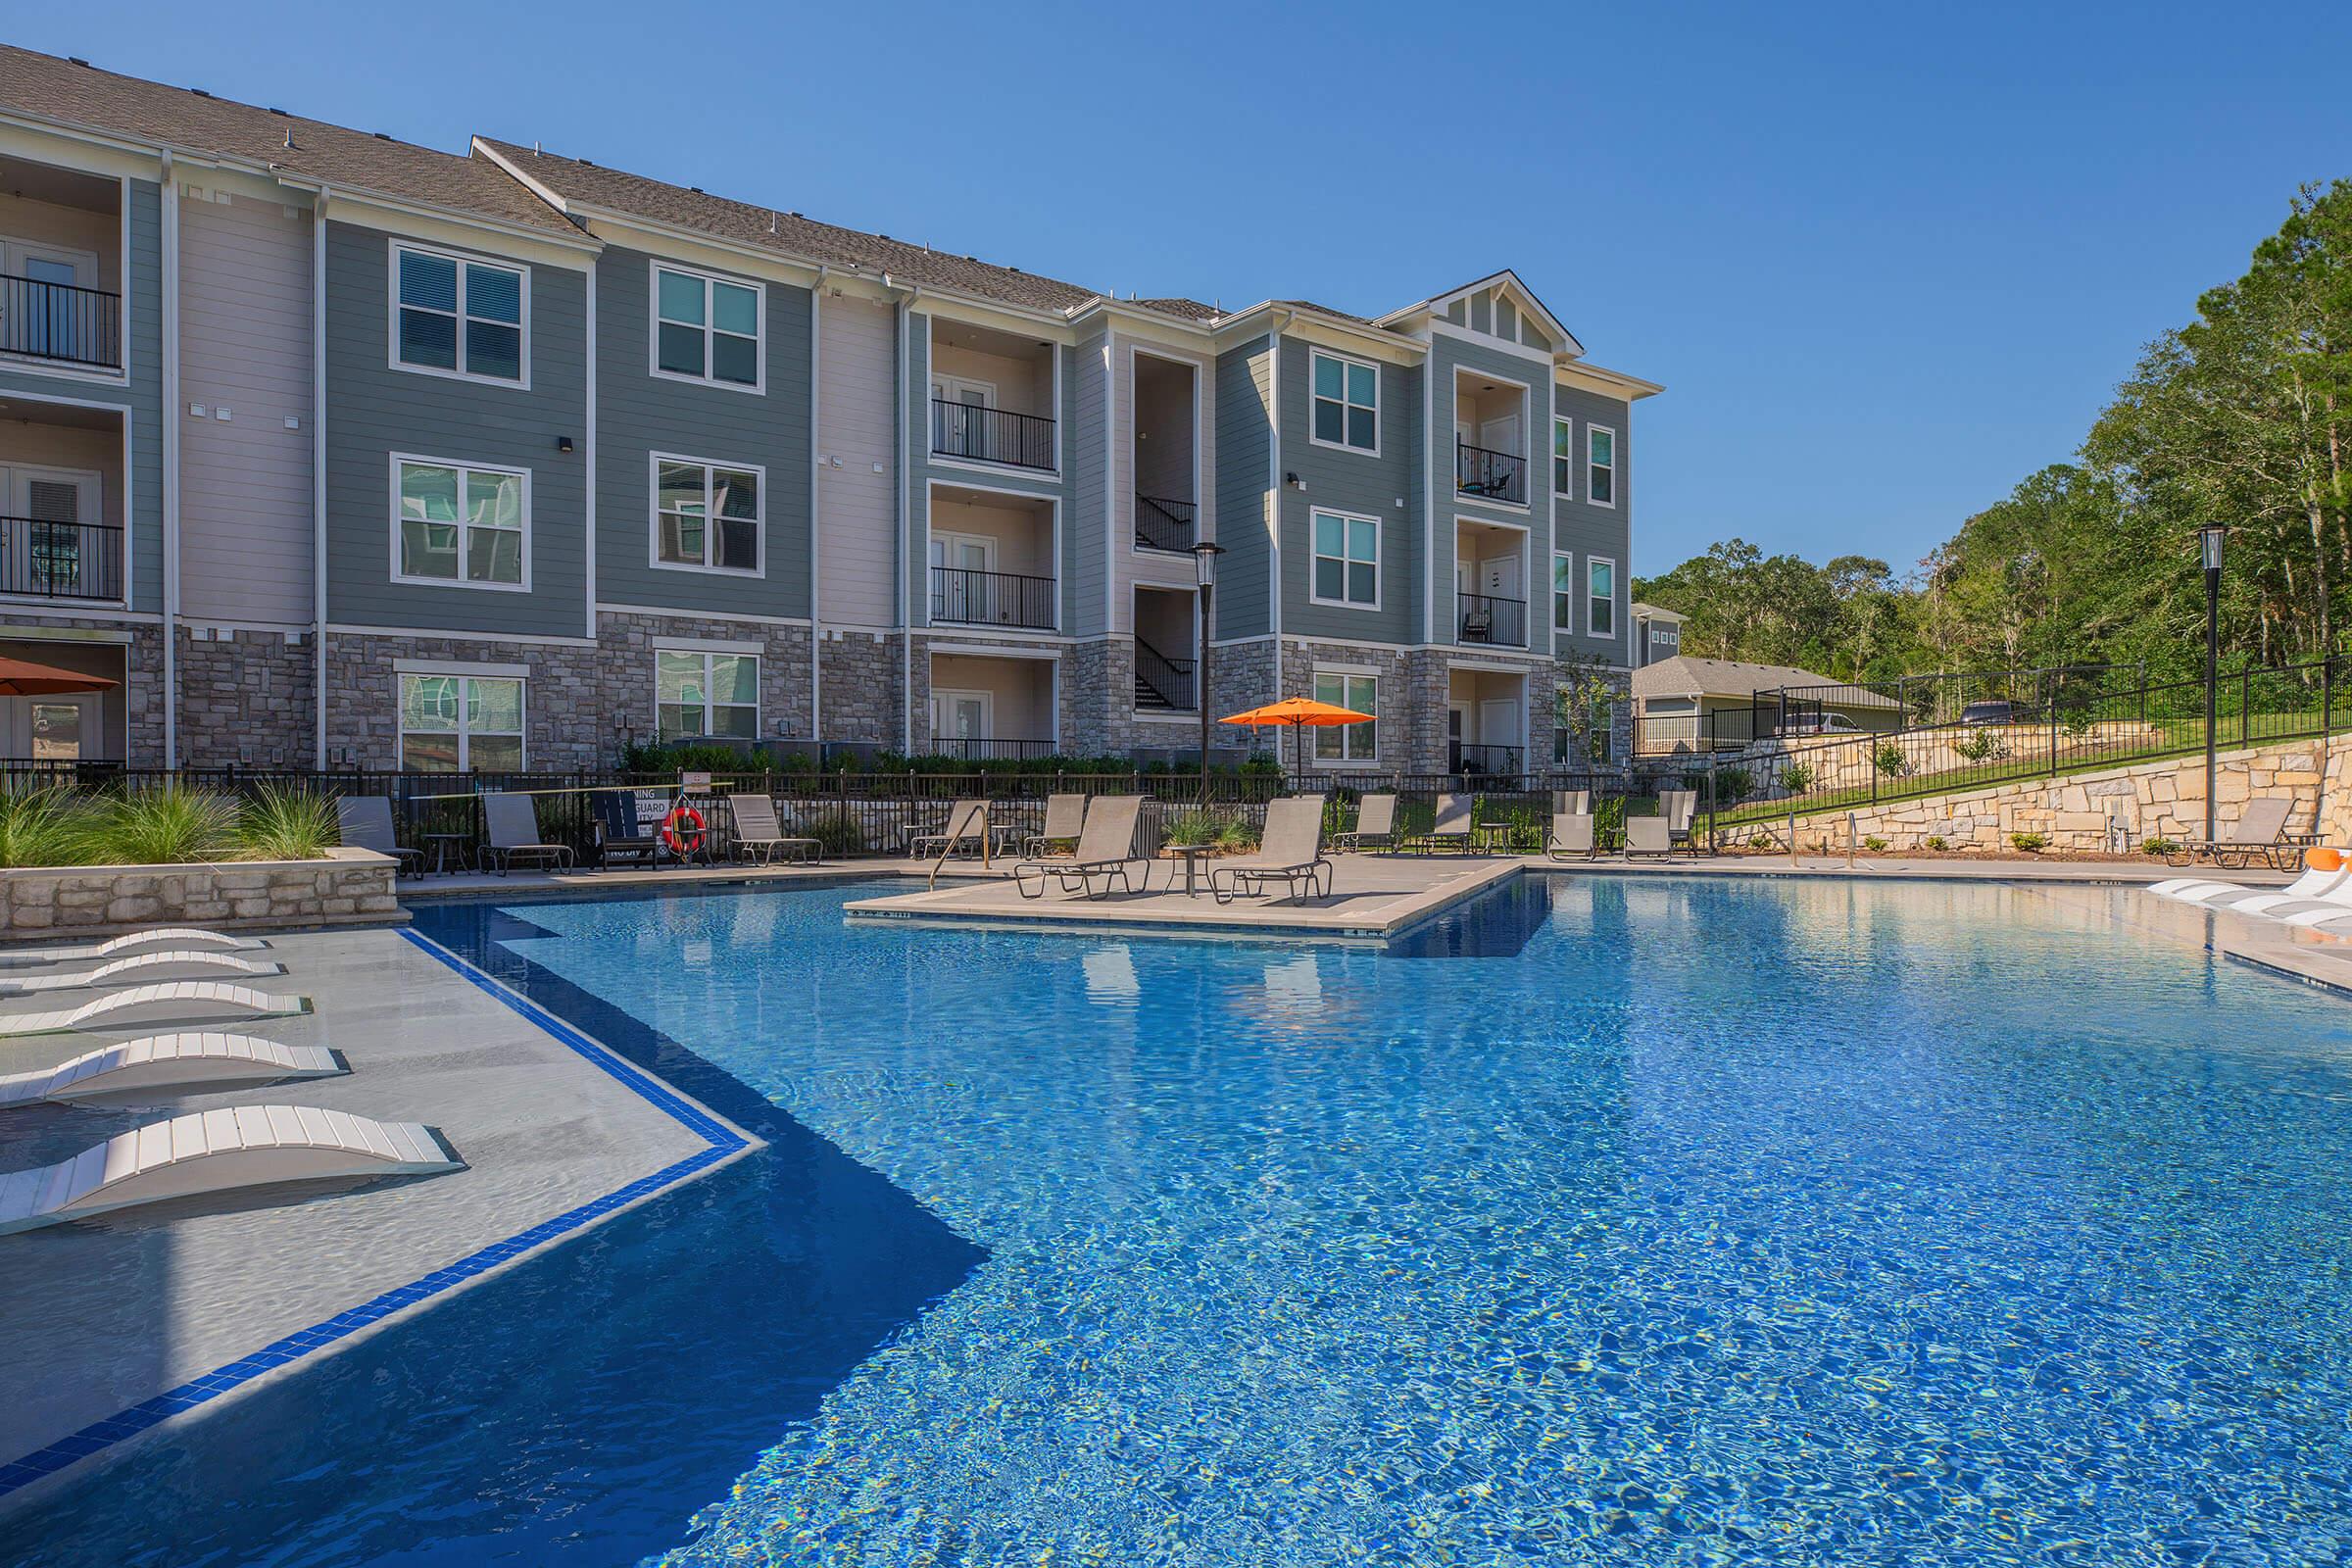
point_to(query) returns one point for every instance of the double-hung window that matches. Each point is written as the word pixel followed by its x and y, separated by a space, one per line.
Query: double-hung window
pixel 1601 464
pixel 697 694
pixel 461 524
pixel 1563 457
pixel 459 317
pixel 706 516
pixel 1600 598
pixel 1347 396
pixel 1563 592
pixel 1348 743
pixel 706 328
pixel 1346 564
pixel 461 723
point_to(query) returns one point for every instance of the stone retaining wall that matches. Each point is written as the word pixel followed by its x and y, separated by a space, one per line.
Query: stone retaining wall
pixel 2085 812
pixel 349 887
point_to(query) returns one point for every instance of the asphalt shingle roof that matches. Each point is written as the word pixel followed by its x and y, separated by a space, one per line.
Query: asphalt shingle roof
pixel 1724 677
pixel 48 87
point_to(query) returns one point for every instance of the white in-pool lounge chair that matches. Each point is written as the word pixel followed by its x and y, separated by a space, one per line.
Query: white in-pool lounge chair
pixel 176 1063
pixel 1105 850
pixel 144 966
pixel 173 1001
pixel 214 1152
pixel 2317 883
pixel 1290 851
pixel 1571 834
pixel 183 938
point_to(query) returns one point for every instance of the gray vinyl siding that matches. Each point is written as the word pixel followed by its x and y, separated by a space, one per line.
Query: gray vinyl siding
pixel 141 395
pixel 639 414
pixel 1448 355
pixel 1589 530
pixel 375 410
pixel 1245 438
pixel 246 496
pixel 858 496
pixel 1076 519
pixel 1355 482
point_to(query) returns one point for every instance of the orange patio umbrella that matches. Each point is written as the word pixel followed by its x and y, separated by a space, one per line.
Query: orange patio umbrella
pixel 21 677
pixel 1300 712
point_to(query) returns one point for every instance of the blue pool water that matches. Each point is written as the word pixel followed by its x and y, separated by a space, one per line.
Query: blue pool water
pixel 1607 1221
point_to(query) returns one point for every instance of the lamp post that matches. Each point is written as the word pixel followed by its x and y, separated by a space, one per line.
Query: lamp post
pixel 2208 546
pixel 1204 573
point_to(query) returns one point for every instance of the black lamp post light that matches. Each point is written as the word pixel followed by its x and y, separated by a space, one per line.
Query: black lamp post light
pixel 1205 575
pixel 2209 548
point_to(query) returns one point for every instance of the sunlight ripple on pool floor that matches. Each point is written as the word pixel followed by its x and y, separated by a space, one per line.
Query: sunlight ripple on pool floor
pixel 1797 1223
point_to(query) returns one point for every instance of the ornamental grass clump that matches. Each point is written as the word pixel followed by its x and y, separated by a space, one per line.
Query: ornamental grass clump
pixel 167 825
pixel 284 824
pixel 39 827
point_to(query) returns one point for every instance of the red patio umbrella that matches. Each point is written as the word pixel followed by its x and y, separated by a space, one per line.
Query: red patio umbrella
pixel 21 677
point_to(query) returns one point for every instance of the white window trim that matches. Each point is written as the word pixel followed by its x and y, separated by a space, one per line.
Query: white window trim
pixel 1380 586
pixel 460 672
pixel 1590 430
pixel 1569 421
pixel 1592 630
pixel 655 267
pixel 392 249
pixel 653 532
pixel 1568 631
pixel 1346 673
pixel 1315 353
pixel 461 464
pixel 706 653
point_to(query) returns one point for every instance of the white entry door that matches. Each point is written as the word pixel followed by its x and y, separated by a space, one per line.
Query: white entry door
pixel 962 716
pixel 1498 721
pixel 1501 435
pixel 53 322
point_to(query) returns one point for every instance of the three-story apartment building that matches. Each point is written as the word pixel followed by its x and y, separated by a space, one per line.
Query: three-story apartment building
pixel 330 449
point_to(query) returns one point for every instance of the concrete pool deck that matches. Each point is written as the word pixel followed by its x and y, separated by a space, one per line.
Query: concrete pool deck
pixel 110 1326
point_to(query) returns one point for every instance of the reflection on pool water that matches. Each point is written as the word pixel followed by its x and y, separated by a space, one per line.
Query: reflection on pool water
pixel 1609 1221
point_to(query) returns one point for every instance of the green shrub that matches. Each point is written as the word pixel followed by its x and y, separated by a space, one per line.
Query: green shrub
pixel 163 826
pixel 1981 746
pixel 281 824
pixel 1192 826
pixel 1797 778
pixel 1936 842
pixel 1732 785
pixel 835 832
pixel 1237 835
pixel 2028 842
pixel 40 827
pixel 1874 843
pixel 1888 758
pixel 2159 847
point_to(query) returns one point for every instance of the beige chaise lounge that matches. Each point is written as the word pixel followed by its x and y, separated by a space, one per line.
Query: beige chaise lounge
pixel 1290 851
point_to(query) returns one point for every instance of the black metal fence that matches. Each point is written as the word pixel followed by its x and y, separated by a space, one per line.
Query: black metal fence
pixel 991 435
pixel 991 598
pixel 61 321
pixel 1488 618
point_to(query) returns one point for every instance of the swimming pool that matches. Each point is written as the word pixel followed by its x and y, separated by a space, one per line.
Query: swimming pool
pixel 1606 1220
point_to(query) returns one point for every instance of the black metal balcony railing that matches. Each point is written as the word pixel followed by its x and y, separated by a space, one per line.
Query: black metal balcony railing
pixel 61 560
pixel 60 322
pixel 1483 759
pixel 1484 619
pixel 1164 525
pixel 1489 476
pixel 991 598
pixel 981 748
pixel 991 435
pixel 1161 682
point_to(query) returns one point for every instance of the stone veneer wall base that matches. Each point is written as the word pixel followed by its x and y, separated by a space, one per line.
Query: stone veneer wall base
pixel 349 887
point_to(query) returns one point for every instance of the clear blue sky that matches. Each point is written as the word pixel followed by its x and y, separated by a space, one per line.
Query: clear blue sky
pixel 1887 260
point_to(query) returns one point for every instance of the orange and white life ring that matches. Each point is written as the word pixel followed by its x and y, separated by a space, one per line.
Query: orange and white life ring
pixel 682 829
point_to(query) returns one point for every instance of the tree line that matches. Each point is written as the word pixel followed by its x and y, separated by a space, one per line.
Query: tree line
pixel 2244 416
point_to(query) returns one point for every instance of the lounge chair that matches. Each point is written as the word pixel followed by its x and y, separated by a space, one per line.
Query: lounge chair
pixel 173 1064
pixel 513 825
pixel 621 829
pixel 1679 808
pixel 1647 835
pixel 367 824
pixel 1291 852
pixel 201 963
pixel 2260 830
pixel 1571 835
pixel 1065 814
pixel 1105 850
pixel 2326 870
pixel 761 838
pixel 1572 802
pixel 1451 828
pixel 179 938
pixel 968 822
pixel 1375 826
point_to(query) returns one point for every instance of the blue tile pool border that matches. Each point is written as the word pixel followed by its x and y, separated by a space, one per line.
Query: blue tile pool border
pixel 721 1142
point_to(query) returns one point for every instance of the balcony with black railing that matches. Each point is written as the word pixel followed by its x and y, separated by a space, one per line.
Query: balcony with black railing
pixel 61 323
pixel 1474 759
pixel 1162 523
pixel 989 748
pixel 965 598
pixel 1486 619
pixel 76 561
pixel 978 434
pixel 1489 476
